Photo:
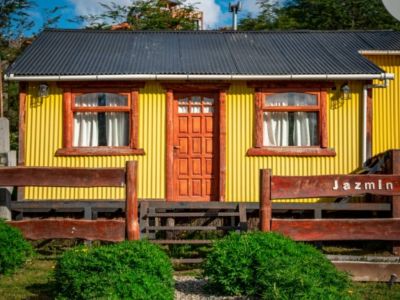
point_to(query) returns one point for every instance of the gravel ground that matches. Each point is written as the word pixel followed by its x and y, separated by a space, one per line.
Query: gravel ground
pixel 191 288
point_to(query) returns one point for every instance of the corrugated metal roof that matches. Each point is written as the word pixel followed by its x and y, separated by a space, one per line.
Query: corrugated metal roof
pixel 96 52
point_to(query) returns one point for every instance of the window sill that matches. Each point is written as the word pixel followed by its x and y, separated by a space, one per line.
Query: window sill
pixel 98 151
pixel 291 151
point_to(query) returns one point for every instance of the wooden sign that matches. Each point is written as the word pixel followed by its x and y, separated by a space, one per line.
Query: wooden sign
pixel 333 186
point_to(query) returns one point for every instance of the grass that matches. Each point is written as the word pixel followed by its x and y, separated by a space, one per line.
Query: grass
pixel 33 281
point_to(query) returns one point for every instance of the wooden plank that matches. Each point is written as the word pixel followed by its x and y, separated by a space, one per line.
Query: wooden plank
pixel 104 230
pixel 369 122
pixel 265 200
pixel 339 229
pixel 67 118
pixel 61 177
pixel 170 146
pixel 187 260
pixel 323 120
pixel 54 204
pixel 193 214
pixel 396 199
pixel 334 186
pixel 190 228
pixel 243 217
pixel 258 119
pixel 21 133
pixel 368 271
pixel 222 144
pixel 182 242
pixel 332 206
pixel 132 216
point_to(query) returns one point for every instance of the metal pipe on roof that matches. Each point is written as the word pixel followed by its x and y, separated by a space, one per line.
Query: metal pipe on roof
pixel 198 77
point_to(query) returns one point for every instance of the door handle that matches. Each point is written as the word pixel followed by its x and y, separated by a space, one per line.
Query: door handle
pixel 177 147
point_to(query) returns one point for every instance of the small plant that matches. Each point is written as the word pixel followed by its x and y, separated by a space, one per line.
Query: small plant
pixel 128 270
pixel 14 249
pixel 271 266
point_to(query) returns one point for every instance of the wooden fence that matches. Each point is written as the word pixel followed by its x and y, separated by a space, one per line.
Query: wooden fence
pixel 102 229
pixel 282 187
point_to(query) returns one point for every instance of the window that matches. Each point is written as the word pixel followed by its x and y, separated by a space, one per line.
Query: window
pixel 100 119
pixel 100 122
pixel 290 119
pixel 290 122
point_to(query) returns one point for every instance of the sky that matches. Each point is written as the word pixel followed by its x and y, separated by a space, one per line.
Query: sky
pixel 216 13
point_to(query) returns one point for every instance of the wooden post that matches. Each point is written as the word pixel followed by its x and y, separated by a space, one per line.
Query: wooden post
pixel 132 218
pixel 396 199
pixel 265 200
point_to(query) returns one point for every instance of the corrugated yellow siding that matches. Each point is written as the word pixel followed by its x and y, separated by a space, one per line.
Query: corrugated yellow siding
pixel 242 182
pixel 44 137
pixel 386 107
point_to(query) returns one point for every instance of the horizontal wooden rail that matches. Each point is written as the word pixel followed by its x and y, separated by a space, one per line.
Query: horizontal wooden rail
pixel 107 230
pixel 338 229
pixel 62 177
pixel 333 186
pixel 104 230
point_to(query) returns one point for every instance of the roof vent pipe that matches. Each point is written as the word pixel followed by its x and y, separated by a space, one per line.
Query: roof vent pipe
pixel 234 9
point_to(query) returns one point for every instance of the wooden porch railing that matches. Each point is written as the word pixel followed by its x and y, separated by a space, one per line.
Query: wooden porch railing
pixel 281 187
pixel 101 229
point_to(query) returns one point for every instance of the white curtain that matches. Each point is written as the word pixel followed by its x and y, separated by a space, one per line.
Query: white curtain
pixel 297 129
pixel 117 131
pixel 86 129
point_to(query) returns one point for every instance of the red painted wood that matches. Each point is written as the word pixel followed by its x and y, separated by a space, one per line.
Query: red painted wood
pixel 61 177
pixel 195 148
pixel 101 150
pixel 67 119
pixel 324 186
pixel 265 201
pixel 339 229
pixel 170 146
pixel 132 215
pixel 22 125
pixel 104 230
pixel 290 151
pixel 396 199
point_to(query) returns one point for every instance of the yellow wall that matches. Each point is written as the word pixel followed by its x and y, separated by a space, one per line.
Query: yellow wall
pixel 386 107
pixel 44 137
pixel 242 172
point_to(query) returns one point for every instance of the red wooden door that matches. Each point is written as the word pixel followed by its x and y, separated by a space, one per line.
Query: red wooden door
pixel 195 140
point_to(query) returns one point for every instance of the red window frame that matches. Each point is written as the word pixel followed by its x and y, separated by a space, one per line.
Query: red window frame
pixel 319 150
pixel 69 108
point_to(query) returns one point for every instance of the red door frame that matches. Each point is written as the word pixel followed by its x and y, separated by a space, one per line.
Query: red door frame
pixel 221 108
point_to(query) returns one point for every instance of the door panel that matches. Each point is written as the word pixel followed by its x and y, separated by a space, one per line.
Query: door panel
pixel 195 140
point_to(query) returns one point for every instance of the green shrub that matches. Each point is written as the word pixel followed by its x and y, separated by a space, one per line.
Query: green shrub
pixel 271 266
pixel 128 270
pixel 14 249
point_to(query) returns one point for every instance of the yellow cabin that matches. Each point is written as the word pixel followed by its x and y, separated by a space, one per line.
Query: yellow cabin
pixel 202 112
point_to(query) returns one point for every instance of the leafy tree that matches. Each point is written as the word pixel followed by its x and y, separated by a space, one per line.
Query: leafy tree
pixel 321 15
pixel 15 21
pixel 145 15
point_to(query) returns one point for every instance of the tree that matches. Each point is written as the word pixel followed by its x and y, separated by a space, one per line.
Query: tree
pixel 15 21
pixel 324 15
pixel 145 15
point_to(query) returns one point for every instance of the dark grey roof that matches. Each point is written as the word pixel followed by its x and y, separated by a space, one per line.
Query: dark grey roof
pixel 95 52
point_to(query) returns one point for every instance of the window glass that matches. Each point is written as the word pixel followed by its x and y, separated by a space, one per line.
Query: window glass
pixel 291 99
pixel 101 99
pixel 290 129
pixel 92 129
